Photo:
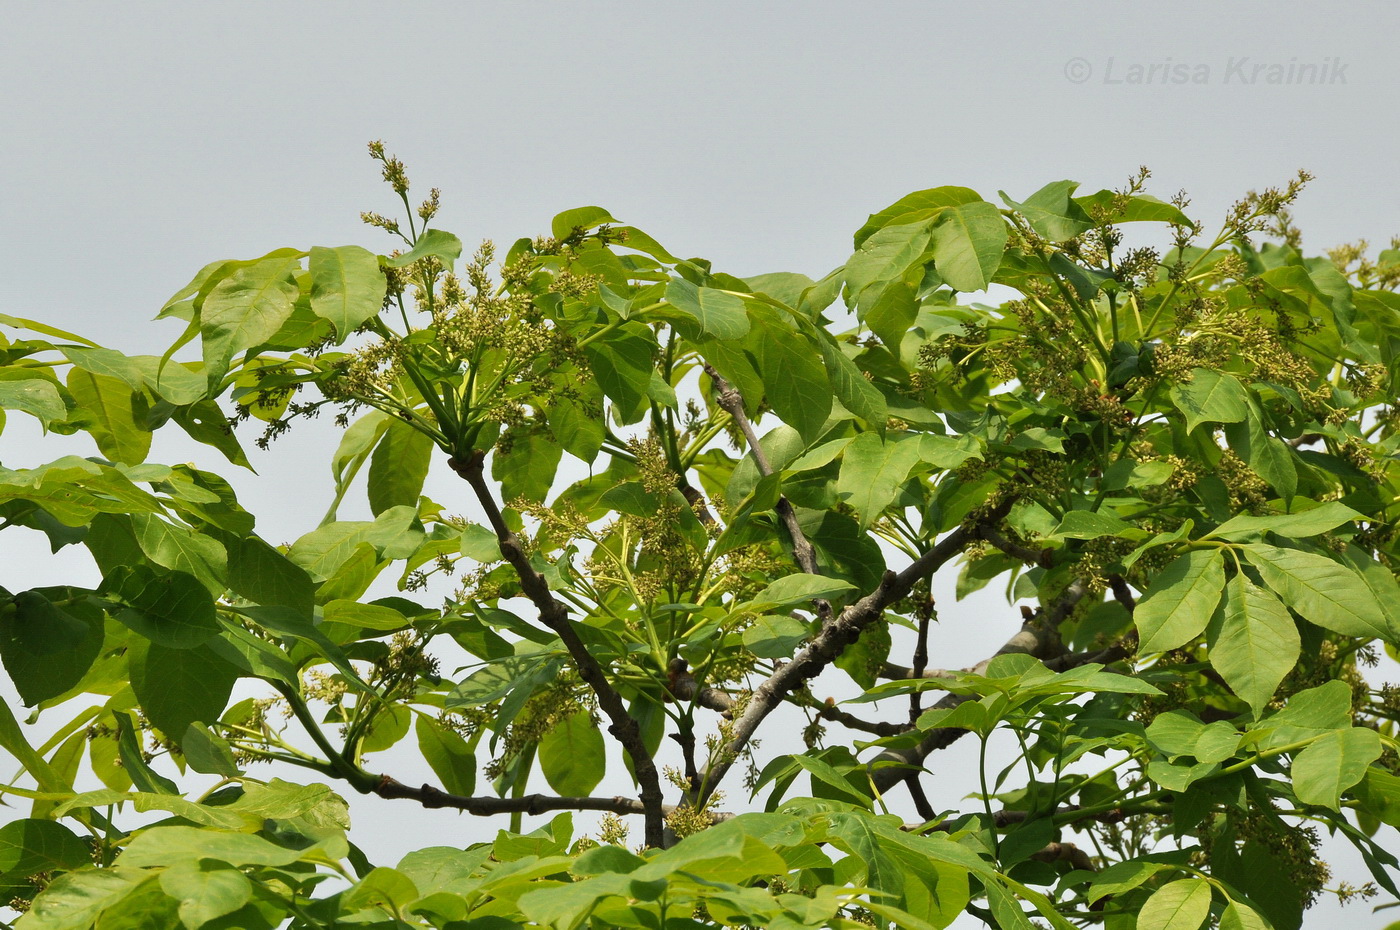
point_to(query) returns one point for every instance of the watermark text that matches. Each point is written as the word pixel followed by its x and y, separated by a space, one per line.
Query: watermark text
pixel 1239 70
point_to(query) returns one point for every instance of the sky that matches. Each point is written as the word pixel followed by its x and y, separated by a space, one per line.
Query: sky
pixel 139 141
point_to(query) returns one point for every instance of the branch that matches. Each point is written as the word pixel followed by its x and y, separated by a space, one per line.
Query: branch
pixel 431 797
pixel 1037 637
pixel 684 687
pixel 896 672
pixel 696 501
pixel 829 643
pixel 1031 639
pixel 1044 558
pixel 732 402
pixel 555 615
pixel 829 711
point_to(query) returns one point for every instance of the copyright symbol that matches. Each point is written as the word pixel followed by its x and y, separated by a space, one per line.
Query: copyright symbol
pixel 1078 70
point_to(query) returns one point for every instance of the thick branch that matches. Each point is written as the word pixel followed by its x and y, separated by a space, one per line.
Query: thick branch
pixel 684 687
pixel 429 796
pixel 555 615
pixel 732 402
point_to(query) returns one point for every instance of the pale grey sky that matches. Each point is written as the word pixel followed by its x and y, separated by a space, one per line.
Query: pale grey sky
pixel 139 141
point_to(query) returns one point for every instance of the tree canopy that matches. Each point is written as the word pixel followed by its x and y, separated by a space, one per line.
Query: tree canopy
pixel 692 504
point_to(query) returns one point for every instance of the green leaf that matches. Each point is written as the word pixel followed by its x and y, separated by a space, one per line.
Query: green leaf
pixel 792 590
pixel 859 838
pixel 1121 877
pixel 383 889
pixel 785 286
pixel 775 636
pixel 578 431
pixel 244 310
pixel 107 362
pixel 622 363
pixel 969 715
pixel 13 741
pixel 181 549
pixel 640 241
pixel 205 422
pixel 173 382
pixel 581 218
pixel 1238 916
pixel 886 256
pixel 325 549
pixel 1321 591
pixel 872 470
pixel 1309 713
pixel 208 753
pixel 1090 524
pixel 527 469
pixel 852 388
pixel 75 899
pixel 347 287
pixel 1253 642
pixel 266 576
pixel 968 242
pixel 33 395
pixel 1312 522
pixel 714 312
pixel 1051 211
pixel 1181 601
pixel 1210 397
pixel 390 726
pixel 448 755
pixel 206 890
pixel 29 846
pixel 892 314
pixel 794 381
pixel 918 205
pixel 1379 794
pixel 254 656
pixel 572 755
pixel 1270 457
pixel 1178 905
pixel 864 658
pixel 443 246
pixel 167 846
pixel 398 467
pixel 107 410
pixel 286 622
pixel 948 452
pixel 365 616
pixel 177 687
pixel 479 543
pixel 133 759
pixel 1333 763
pixel 834 781
pixel 47 649
pixel 1136 208
pixel 170 608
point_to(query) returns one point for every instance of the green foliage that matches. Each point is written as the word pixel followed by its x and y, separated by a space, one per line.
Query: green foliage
pixel 708 492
